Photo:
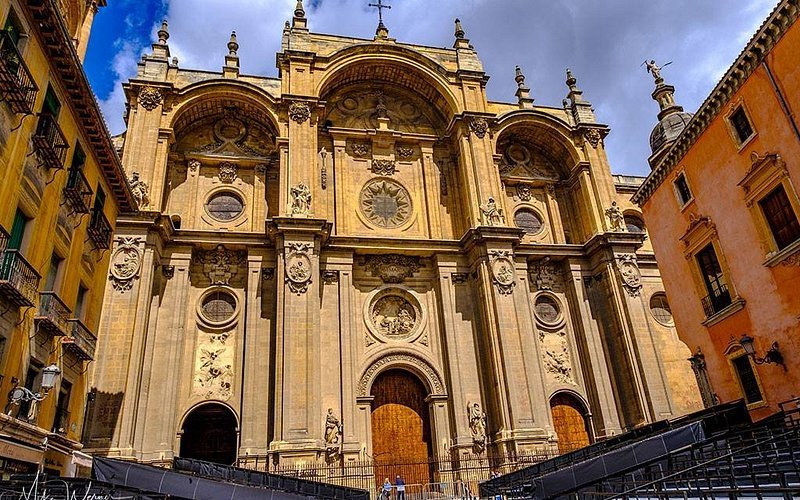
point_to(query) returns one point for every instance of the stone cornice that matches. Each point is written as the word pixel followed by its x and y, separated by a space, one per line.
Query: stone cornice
pixel 779 21
pixel 65 63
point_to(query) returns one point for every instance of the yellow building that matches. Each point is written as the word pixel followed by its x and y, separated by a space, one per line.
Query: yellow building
pixel 61 188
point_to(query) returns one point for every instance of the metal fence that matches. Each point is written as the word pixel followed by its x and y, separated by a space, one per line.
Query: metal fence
pixel 436 477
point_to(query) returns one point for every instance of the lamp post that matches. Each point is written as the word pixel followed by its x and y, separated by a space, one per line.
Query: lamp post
pixel 773 355
pixel 19 395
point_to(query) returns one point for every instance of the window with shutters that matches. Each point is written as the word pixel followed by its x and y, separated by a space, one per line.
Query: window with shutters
pixel 781 217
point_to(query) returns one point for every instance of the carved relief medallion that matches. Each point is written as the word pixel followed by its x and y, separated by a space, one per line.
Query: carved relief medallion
pixel 299 111
pixel 405 153
pixel 150 98
pixel 593 137
pixel 125 263
pixel 524 192
pixel 227 172
pixel 394 316
pixel 392 268
pixel 360 150
pixel 630 274
pixel 385 203
pixel 503 271
pixel 383 167
pixel 298 267
pixel 479 127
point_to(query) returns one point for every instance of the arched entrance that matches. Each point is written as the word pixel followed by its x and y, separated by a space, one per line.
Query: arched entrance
pixel 570 421
pixel 209 433
pixel 401 430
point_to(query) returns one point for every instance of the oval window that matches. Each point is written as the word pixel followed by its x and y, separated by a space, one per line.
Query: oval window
pixel 218 306
pixel 547 309
pixel 660 309
pixel 634 224
pixel 528 220
pixel 225 206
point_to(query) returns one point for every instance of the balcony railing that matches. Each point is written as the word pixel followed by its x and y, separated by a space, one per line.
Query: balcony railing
pixel 19 281
pixel 61 422
pixel 16 83
pixel 100 230
pixel 52 315
pixel 78 192
pixel 79 340
pixel 715 302
pixel 49 142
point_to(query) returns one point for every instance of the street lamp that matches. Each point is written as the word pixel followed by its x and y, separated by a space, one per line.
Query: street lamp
pixel 23 394
pixel 773 355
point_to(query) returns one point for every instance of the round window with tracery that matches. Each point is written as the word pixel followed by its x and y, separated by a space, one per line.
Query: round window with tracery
pixel 547 309
pixel 218 306
pixel 660 309
pixel 528 220
pixel 225 206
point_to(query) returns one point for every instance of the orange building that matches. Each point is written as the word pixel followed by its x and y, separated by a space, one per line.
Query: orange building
pixel 722 209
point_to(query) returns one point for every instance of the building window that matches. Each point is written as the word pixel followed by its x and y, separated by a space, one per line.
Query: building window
pixel 53 273
pixel 27 411
pixel 747 379
pixel 528 220
pixel 718 297
pixel 52 106
pixel 62 419
pixel 741 125
pixel 225 206
pixel 19 231
pixel 13 28
pixel 659 307
pixel 218 306
pixel 682 189
pixel 780 217
pixel 80 302
pixel 634 224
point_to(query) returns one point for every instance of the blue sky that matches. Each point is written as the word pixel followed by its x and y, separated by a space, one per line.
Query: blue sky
pixel 602 41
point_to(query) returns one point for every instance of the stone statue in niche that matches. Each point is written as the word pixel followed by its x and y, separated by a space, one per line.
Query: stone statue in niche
pixel 616 218
pixel 492 215
pixel 477 426
pixel 333 432
pixel 301 200
pixel 139 190
pixel 394 316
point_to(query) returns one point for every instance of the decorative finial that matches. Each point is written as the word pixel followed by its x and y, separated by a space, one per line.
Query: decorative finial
pixel 572 82
pixel 459 29
pixel 655 70
pixel 519 78
pixel 299 11
pixel 382 31
pixel 163 33
pixel 233 45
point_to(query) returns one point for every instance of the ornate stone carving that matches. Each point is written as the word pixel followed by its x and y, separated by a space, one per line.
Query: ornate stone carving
pixel 593 137
pixel 405 153
pixel 459 278
pixel 518 163
pixel 630 274
pixel 524 192
pixel 227 171
pixel 333 436
pixel 492 214
pixel 544 274
pixel 330 277
pixel 126 263
pixel 323 171
pixel 392 268
pixel 616 219
pixel 168 271
pixel 213 376
pixel 150 98
pixel 502 267
pixel 479 127
pixel 792 260
pixel 298 267
pixel 420 366
pixel 364 109
pixel 385 203
pixel 220 264
pixel 299 111
pixel 267 273
pixel 557 360
pixel 477 426
pixel 394 316
pixel 383 167
pixel 139 190
pixel 301 200
pixel 194 165
pixel 361 150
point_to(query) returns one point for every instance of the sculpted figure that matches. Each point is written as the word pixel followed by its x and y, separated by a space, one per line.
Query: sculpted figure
pixel 301 200
pixel 139 189
pixel 616 218
pixel 493 216
pixel 477 424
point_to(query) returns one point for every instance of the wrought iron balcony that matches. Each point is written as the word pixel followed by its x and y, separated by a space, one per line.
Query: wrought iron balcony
pixel 61 422
pixel 49 142
pixel 19 281
pixel 100 230
pixel 52 315
pixel 79 340
pixel 714 303
pixel 78 192
pixel 16 83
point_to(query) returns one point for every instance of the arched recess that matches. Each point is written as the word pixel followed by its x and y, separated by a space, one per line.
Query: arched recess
pixel 571 421
pixel 210 432
pixel 422 369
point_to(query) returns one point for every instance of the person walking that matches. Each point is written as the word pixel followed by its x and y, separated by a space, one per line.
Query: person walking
pixel 386 491
pixel 401 488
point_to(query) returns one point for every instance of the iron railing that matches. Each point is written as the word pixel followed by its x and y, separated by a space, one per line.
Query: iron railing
pixel 61 422
pixel 78 192
pixel 717 301
pixel 16 82
pixel 49 142
pixel 100 230
pixel 19 281
pixel 52 315
pixel 79 340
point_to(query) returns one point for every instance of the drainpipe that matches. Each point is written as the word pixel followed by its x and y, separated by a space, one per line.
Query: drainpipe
pixel 781 99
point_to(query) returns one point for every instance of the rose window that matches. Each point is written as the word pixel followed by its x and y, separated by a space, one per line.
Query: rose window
pixel 386 203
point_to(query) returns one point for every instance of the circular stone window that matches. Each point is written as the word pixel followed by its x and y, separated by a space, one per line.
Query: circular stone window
pixel 225 206
pixel 548 310
pixel 659 308
pixel 529 221
pixel 218 306
pixel 386 203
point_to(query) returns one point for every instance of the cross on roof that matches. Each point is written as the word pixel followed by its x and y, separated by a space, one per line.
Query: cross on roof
pixel 380 6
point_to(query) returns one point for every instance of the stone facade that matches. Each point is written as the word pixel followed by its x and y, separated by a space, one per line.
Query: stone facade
pixel 370 212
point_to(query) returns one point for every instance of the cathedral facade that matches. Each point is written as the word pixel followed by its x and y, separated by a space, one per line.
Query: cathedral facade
pixel 366 258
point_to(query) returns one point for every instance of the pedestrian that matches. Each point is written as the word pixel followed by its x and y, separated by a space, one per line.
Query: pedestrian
pixel 386 492
pixel 401 488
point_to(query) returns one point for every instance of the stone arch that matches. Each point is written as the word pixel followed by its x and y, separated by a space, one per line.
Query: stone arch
pixel 551 136
pixel 403 360
pixel 571 420
pixel 210 431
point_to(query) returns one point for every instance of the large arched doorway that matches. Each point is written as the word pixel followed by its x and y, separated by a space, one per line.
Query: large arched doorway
pixel 401 430
pixel 209 433
pixel 571 422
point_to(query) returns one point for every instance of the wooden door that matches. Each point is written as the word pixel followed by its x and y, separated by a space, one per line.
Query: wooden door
pixel 569 423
